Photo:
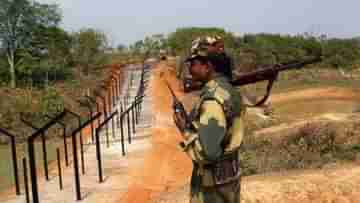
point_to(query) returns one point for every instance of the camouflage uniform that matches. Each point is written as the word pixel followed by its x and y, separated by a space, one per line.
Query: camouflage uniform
pixel 214 144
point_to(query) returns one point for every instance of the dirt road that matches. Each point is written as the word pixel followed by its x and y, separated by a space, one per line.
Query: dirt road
pixel 165 167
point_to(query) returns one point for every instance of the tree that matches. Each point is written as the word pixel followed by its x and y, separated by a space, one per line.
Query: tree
pixel 151 45
pixel 50 54
pixel 55 44
pixel 89 48
pixel 17 21
pixel 137 47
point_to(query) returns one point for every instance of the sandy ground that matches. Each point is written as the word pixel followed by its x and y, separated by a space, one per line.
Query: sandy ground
pixel 315 93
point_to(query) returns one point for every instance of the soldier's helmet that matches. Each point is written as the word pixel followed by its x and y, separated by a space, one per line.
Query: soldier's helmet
pixel 202 46
pixel 211 40
pixel 199 48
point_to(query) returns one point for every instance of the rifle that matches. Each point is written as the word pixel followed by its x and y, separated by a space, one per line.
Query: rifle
pixel 179 111
pixel 270 73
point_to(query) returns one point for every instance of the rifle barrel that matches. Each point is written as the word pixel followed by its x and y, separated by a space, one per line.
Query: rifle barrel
pixel 269 72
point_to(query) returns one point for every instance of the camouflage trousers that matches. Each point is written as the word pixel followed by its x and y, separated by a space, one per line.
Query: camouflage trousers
pixel 227 193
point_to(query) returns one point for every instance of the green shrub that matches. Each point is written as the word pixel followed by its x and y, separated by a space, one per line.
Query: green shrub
pixel 51 101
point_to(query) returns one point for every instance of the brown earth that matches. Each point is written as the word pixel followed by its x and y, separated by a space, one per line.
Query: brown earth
pixel 316 93
pixel 165 167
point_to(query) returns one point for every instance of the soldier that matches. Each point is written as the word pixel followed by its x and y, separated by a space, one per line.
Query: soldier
pixel 213 138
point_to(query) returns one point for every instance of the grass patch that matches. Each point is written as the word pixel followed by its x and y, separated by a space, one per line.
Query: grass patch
pixel 312 146
pixel 6 166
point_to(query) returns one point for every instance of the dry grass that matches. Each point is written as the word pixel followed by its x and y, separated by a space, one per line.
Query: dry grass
pixel 312 146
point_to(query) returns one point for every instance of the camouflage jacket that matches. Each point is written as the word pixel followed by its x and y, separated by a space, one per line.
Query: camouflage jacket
pixel 218 120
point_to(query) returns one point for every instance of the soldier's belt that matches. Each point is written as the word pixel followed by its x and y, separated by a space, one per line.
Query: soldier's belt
pixel 223 171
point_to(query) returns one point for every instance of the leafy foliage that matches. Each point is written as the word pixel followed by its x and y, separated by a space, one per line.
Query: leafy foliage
pixel 149 46
pixel 19 20
pixel 51 102
pixel 89 48
pixel 254 50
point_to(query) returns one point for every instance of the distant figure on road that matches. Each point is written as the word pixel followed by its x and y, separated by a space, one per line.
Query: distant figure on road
pixel 213 138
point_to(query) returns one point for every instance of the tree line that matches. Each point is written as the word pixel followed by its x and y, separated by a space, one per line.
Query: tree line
pixel 34 48
pixel 253 50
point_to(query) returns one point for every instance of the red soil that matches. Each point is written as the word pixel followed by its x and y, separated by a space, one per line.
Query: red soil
pixel 165 168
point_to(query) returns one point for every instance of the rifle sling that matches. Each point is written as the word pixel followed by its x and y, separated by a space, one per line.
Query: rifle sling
pixel 268 90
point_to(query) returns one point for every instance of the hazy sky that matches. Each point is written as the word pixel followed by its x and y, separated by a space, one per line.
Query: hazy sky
pixel 128 21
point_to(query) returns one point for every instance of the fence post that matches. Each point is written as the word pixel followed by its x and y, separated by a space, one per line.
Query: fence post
pixel 93 100
pixel 117 87
pixel 43 143
pixel 45 155
pixel 118 119
pixel 104 87
pixel 98 146
pixel 122 133
pixel 136 112
pixel 113 127
pixel 98 155
pixel 59 168
pixel 33 175
pixel 133 117
pixel 88 105
pixel 105 109
pixel 76 161
pixel 65 146
pixel 122 128
pixel 128 126
pixel 32 160
pixel 81 140
pixel 14 159
pixel 64 139
pixel 113 93
pixel 76 167
pixel 26 181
